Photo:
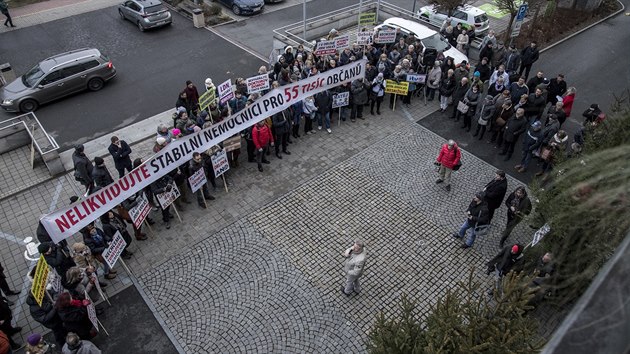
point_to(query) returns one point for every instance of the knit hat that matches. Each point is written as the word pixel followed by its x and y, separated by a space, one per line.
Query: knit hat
pixel 515 249
pixel 43 247
pixel 477 74
pixel 594 106
pixel 203 114
pixel 34 339
pixel 73 199
pixel 209 82
pixel 536 125
pixel 176 132
pixel 489 97
pixel 181 109
pixel 480 195
pixel 79 147
pixel 188 82
pixel 99 160
pixel 160 140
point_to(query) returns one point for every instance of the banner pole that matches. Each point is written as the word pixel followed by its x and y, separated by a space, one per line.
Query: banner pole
pixel 394 106
pixel 177 213
pixel 339 119
pixel 50 297
pixel 100 292
pixel 125 266
pixel 203 196
pixel 225 183
pixel 149 227
pixel 103 327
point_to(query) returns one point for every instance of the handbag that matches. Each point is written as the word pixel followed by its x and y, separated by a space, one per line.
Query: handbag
pixel 546 153
pixel 462 107
pixel 458 165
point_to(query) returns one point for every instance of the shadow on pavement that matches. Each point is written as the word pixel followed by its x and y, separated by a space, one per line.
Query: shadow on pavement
pixel 131 325
pixel 441 124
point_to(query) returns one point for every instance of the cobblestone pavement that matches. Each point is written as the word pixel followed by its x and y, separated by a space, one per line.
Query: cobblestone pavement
pixel 262 267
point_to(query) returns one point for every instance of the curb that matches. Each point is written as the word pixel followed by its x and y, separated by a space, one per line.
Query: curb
pixel 586 28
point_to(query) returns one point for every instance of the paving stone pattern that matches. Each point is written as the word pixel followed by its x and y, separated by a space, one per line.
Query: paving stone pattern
pixel 15 166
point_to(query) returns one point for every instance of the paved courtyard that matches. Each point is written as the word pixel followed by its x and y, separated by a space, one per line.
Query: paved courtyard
pixel 261 269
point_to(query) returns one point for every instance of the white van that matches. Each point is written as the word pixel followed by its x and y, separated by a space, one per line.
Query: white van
pixel 428 37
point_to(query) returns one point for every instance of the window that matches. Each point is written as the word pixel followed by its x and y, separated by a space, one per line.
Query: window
pixel 153 9
pixel 134 7
pixel 30 78
pixel 52 77
pixel 481 18
pixel 90 64
pixel 72 70
pixel 460 15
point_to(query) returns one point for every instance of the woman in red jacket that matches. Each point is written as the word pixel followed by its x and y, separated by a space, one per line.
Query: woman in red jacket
pixel 567 101
pixel 447 159
pixel 261 134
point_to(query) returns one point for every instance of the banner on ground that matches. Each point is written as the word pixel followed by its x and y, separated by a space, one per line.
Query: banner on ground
pixel 342 42
pixel 341 99
pixel 257 83
pixel 397 88
pixel 386 36
pixel 197 180
pixel 225 91
pixel 417 78
pixel 168 197
pixel 207 99
pixel 115 249
pixel 67 221
pixel 325 48
pixel 220 163
pixel 365 38
pixel 140 211
pixel 38 289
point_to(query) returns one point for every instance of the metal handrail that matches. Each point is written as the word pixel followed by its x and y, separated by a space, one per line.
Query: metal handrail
pixel 21 119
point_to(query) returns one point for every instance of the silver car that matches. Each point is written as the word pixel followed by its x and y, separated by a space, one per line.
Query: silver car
pixel 145 13
pixel 56 77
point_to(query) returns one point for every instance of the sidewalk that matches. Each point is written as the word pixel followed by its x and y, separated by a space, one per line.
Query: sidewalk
pixel 51 10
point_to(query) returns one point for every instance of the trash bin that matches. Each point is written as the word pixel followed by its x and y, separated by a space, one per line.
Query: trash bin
pixel 198 18
pixel 6 74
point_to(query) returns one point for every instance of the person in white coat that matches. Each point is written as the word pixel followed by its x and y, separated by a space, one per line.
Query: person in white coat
pixel 355 263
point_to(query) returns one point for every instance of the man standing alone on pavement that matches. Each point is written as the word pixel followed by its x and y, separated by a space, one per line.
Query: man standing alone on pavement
pixel 529 56
pixel 120 150
pixel 4 8
pixel 83 168
pixel 447 160
pixel 354 267
pixel 476 218
pixel 495 192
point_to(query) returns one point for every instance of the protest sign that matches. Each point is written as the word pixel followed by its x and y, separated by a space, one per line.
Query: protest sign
pixel 341 99
pixel 140 211
pixel 115 249
pixel 540 233
pixel 220 163
pixel 257 83
pixel 38 289
pixel 225 91
pixel 168 197
pixel 398 88
pixel 68 220
pixel 232 143
pixel 55 281
pixel 342 42
pixel 365 38
pixel 92 315
pixel 386 36
pixel 325 48
pixel 206 99
pixel 416 78
pixel 367 18
pixel 197 180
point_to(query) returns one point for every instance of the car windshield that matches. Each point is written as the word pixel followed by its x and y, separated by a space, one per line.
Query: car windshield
pixel 30 78
pixel 153 9
pixel 481 18
pixel 436 41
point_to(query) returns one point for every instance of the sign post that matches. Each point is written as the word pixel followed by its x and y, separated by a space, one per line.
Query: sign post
pixel 33 146
pixel 397 88
pixel 167 198
pixel 38 289
pixel 518 22
pixel 220 165
pixel 197 181
pixel 341 99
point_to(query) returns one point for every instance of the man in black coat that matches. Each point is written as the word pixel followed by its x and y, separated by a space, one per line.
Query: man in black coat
pixel 4 285
pixel 557 87
pixel 514 127
pixel 100 174
pixel 164 184
pixel 47 315
pixel 6 315
pixel 323 102
pixel 82 168
pixel 495 192
pixel 56 258
pixel 476 217
pixel 529 56
pixel 120 150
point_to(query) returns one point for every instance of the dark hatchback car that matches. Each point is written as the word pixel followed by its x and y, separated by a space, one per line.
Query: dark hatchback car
pixel 57 77
pixel 244 7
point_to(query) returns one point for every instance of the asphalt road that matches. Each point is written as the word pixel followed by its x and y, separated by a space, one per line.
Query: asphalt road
pixel 152 68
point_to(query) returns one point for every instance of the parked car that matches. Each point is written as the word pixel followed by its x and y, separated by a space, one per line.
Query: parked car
pixel 428 37
pixel 56 77
pixel 145 13
pixel 273 1
pixel 244 7
pixel 469 16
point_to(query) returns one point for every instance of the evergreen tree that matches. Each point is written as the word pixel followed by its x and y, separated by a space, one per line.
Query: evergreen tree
pixel 399 335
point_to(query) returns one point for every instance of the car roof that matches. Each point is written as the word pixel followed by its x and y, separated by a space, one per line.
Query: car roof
pixel 421 31
pixel 466 8
pixel 49 63
pixel 147 3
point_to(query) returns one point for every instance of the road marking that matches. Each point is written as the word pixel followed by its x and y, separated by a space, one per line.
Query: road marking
pixel 240 45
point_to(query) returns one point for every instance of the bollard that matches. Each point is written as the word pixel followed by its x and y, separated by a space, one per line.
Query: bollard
pixel 198 18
